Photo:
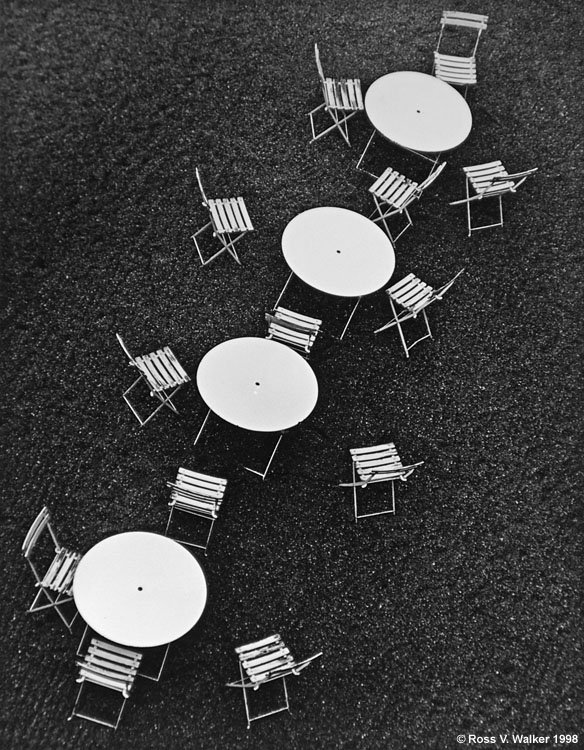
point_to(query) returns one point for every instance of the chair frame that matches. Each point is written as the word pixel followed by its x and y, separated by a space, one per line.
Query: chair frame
pixel 342 100
pixel 399 471
pixel 57 581
pixel 404 193
pixel 266 650
pixel 227 216
pixel 430 295
pixel 500 184
pixel 204 492
pixel 109 666
pixel 462 68
pixel 150 371
pixel 263 473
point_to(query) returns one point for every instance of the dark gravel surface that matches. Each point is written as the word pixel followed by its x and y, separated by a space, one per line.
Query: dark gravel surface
pixel 461 614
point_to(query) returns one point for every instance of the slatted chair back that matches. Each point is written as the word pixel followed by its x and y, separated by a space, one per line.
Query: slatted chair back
pixel 473 22
pixel 197 495
pixel 293 329
pixel 109 666
pixel 54 579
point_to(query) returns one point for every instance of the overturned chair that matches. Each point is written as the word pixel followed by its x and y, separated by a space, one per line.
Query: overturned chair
pixel 373 464
pixel 262 662
pixel 414 296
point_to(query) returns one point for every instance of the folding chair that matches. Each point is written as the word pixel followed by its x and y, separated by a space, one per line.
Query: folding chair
pixel 162 372
pixel 378 463
pixel 342 100
pixel 197 495
pixel 490 180
pixel 229 222
pixel 456 69
pixel 296 331
pixel 56 584
pixel 414 296
pixel 262 662
pixel 393 193
pixel 111 667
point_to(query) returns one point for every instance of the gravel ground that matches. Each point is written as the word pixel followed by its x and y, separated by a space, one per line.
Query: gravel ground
pixel 461 615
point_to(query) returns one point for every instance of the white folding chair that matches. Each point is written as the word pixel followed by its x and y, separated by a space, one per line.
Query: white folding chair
pixel 197 495
pixel 262 662
pixel 293 329
pixel 414 296
pixel 377 463
pixel 107 666
pixel 55 584
pixel 161 372
pixel 342 100
pixel 460 29
pixel 490 180
pixel 229 221
pixel 393 193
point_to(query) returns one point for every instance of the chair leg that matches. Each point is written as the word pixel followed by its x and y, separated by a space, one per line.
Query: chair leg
pixel 265 472
pixel 350 318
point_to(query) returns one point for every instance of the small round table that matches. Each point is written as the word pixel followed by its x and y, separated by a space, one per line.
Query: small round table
pixel 339 252
pixel 257 384
pixel 140 589
pixel 418 112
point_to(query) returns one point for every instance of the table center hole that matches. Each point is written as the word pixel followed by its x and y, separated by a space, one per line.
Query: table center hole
pixel 140 588
pixel 339 252
pixel 419 111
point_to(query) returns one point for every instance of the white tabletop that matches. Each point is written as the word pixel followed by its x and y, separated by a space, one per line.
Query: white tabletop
pixel 418 112
pixel 257 384
pixel 140 589
pixel 338 251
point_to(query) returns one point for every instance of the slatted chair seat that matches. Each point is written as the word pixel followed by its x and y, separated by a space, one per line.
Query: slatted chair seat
pixel 393 192
pixel 489 180
pixel 161 372
pixel 199 495
pixel 343 99
pixel 265 661
pixel 457 71
pixel 293 329
pixel 229 221
pixel 55 584
pixel 413 295
pixel 109 666
pixel 376 463
pixel 464 30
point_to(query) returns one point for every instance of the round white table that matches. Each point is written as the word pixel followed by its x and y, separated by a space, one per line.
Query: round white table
pixel 339 252
pixel 257 384
pixel 140 589
pixel 418 112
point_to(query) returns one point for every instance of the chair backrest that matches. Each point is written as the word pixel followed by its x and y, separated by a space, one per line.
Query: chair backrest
pixel 41 522
pixel 269 659
pixel 318 63
pixel 472 21
pixel 202 190
pixel 434 174
pixel 125 348
pixel 439 293
pixel 516 179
